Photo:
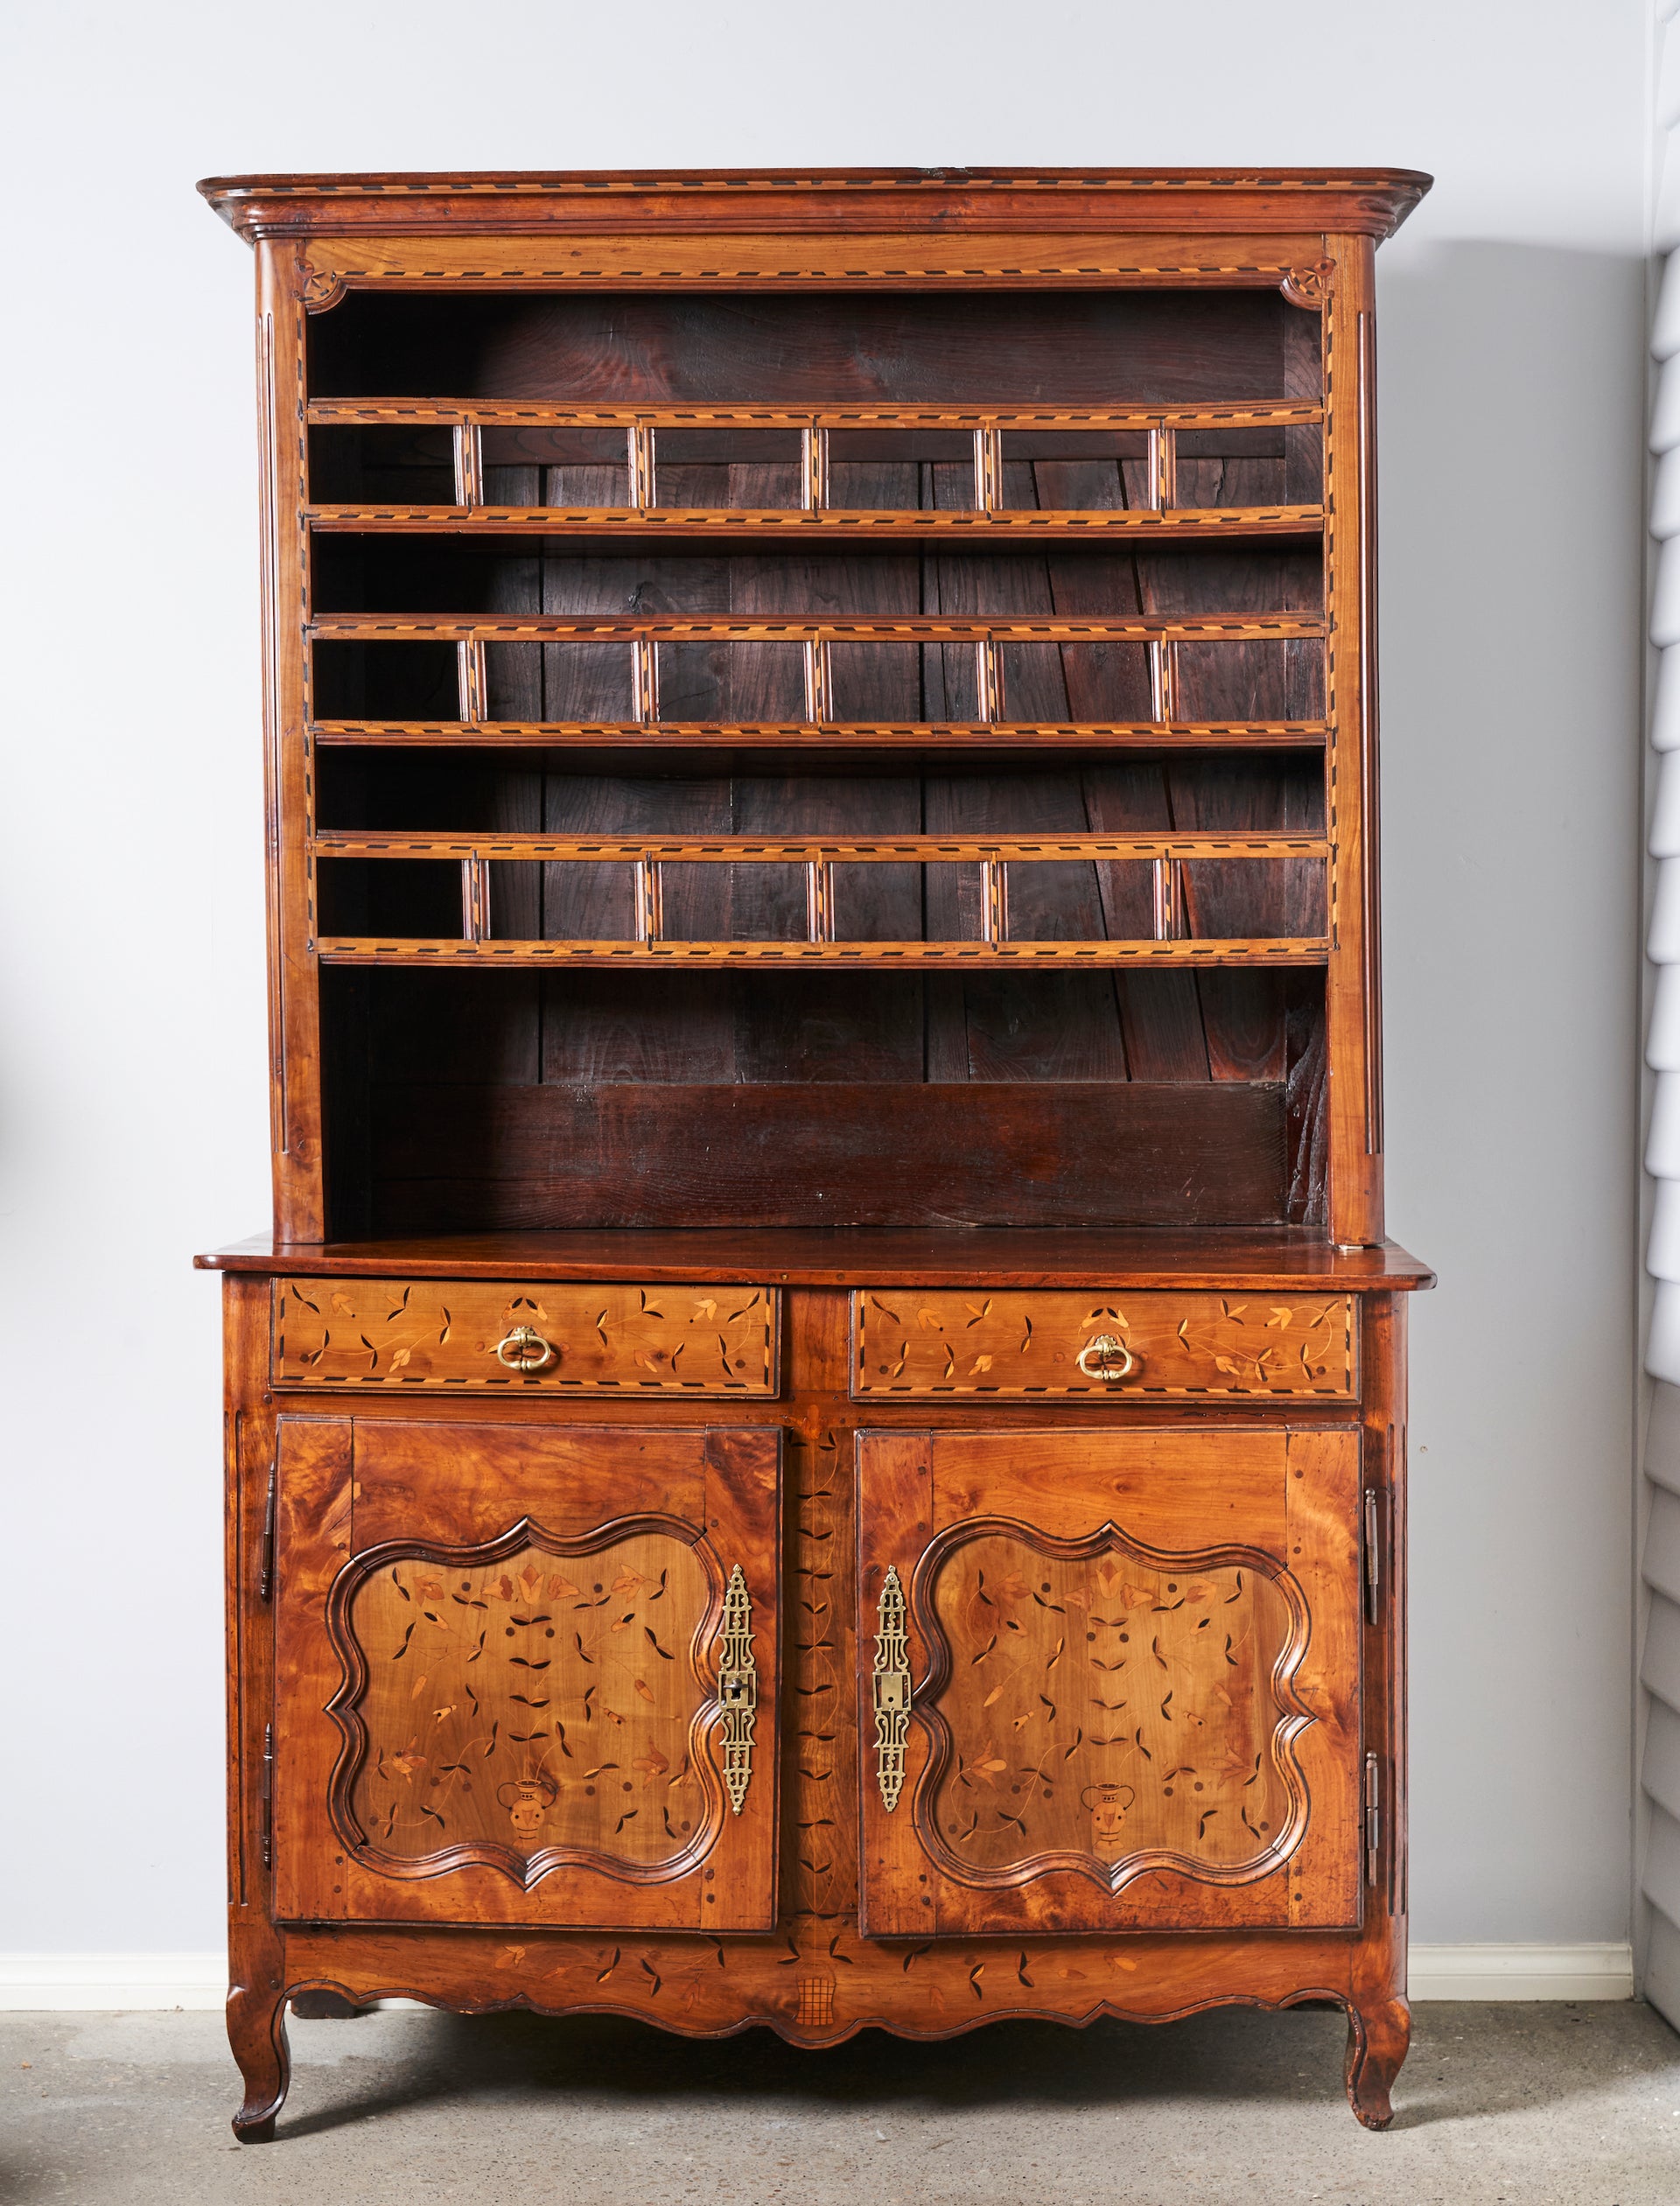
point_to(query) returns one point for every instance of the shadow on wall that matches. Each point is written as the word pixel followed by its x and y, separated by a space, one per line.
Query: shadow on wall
pixel 1512 405
pixel 1511 474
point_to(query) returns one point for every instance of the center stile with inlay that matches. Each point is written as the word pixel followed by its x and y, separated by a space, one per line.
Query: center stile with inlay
pixel 820 1435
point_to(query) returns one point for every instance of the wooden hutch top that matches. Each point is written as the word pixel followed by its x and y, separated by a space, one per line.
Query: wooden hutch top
pixel 1213 592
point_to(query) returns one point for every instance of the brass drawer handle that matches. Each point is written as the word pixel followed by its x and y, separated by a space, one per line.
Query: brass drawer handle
pixel 1105 1347
pixel 525 1350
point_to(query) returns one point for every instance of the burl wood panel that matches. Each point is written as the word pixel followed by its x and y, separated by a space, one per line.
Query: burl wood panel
pixel 977 1345
pixel 400 1333
pixel 441 1756
pixel 1134 1667
pixel 1113 1712
pixel 528 1716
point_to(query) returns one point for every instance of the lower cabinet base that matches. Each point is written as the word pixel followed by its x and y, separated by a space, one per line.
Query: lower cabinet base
pixel 908 1714
pixel 815 1988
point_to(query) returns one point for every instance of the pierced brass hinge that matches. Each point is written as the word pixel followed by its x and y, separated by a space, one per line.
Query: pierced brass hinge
pixel 892 1687
pixel 738 1688
pixel 1373 1551
pixel 265 1557
pixel 1373 1817
pixel 268 1798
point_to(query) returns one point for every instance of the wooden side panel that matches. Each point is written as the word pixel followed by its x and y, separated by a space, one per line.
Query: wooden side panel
pixel 542 1687
pixel 1115 1660
pixel 1353 988
pixel 294 1010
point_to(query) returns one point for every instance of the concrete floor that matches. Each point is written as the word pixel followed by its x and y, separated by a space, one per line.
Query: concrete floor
pixel 1537 2105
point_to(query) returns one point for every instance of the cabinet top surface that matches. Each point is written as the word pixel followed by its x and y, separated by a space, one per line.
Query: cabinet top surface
pixel 1374 201
pixel 858 1257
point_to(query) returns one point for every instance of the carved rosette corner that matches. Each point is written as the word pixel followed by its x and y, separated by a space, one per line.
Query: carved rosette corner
pixel 1309 286
pixel 738 1688
pixel 892 1690
pixel 321 287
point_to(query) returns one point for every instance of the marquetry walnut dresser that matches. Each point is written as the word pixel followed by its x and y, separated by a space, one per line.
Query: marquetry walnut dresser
pixel 820 1437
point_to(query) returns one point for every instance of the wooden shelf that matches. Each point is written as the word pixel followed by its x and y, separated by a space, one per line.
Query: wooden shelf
pixel 887 628
pixel 829 735
pixel 824 942
pixel 827 521
pixel 855 957
pixel 454 413
pixel 851 850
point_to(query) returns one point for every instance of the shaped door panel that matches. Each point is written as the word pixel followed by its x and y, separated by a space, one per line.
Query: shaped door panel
pixel 1113 1679
pixel 526 1674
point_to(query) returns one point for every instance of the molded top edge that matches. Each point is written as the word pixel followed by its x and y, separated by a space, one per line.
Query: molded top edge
pixel 1372 200
pixel 866 1255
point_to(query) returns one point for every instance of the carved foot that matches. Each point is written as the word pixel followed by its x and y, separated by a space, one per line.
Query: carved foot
pixel 256 2030
pixel 1377 2039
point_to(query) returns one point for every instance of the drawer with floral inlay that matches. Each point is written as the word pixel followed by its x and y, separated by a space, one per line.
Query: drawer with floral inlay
pixel 467 1336
pixel 1014 1345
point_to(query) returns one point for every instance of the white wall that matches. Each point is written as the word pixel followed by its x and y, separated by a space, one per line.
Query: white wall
pixel 133 1120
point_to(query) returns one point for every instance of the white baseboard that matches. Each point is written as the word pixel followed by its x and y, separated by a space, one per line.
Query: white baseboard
pixel 1521 1972
pixel 71 1983
pixel 79 1983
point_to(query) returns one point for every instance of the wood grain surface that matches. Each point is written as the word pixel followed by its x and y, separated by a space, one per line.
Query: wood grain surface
pixel 821 826
pixel 403 1334
pixel 976 1346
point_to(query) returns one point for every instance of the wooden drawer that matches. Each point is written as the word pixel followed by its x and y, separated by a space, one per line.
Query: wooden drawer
pixel 444 1333
pixel 1012 1345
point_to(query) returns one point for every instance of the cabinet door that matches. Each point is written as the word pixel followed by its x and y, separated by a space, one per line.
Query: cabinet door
pixel 1109 1680
pixel 526 1674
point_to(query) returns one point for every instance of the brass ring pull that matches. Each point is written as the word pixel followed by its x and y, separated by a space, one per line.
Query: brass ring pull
pixel 1104 1349
pixel 525 1350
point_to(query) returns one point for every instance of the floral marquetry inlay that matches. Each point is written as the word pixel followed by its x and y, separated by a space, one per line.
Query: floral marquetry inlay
pixel 1112 1710
pixel 531 1707
pixel 555 1336
pixel 941 1340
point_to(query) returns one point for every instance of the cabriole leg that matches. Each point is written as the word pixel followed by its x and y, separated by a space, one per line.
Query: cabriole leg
pixel 1377 2039
pixel 256 2030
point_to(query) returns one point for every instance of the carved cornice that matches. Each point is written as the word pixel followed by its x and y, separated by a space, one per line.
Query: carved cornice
pixel 1371 201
